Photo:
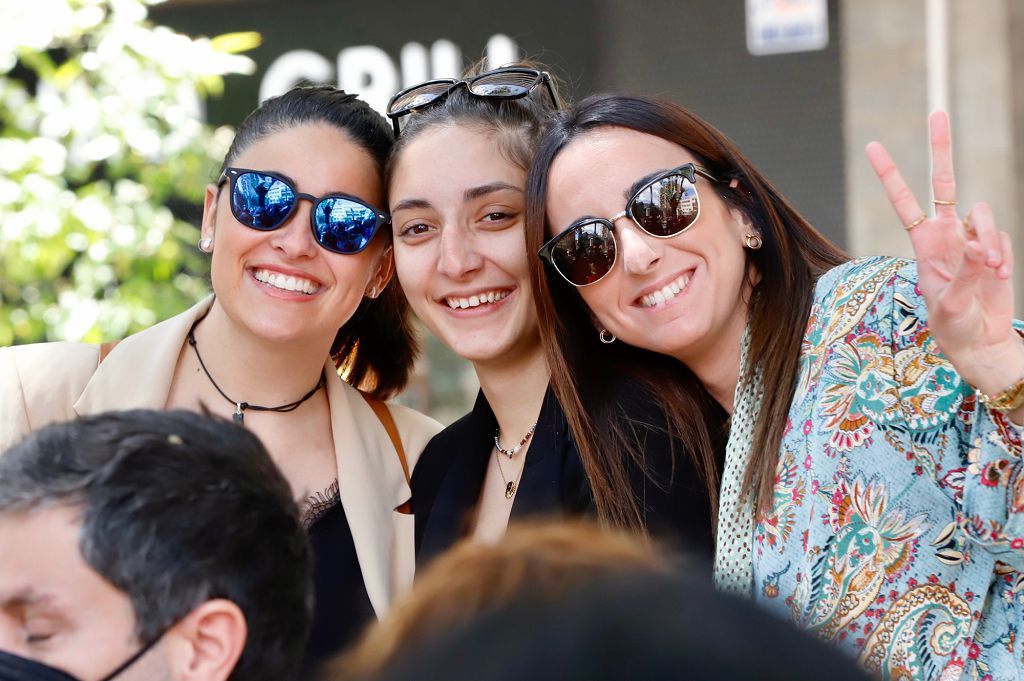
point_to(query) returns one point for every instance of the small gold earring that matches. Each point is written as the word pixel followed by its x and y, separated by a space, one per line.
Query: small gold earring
pixel 753 241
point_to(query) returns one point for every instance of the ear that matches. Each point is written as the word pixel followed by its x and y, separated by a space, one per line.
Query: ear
pixel 209 211
pixel 739 217
pixel 207 644
pixel 385 270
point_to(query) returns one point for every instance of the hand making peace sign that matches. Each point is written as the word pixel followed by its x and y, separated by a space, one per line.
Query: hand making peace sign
pixel 965 269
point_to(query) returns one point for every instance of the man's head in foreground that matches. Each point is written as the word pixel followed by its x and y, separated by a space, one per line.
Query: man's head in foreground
pixel 156 546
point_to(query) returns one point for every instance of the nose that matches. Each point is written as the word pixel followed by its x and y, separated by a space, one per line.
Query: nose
pixel 458 255
pixel 640 253
pixel 294 238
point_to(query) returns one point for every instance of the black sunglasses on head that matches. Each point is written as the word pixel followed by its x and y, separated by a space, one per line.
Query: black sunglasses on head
pixel 667 205
pixel 264 201
pixel 507 83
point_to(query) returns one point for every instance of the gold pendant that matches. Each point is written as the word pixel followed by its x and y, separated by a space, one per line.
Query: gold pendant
pixel 510 490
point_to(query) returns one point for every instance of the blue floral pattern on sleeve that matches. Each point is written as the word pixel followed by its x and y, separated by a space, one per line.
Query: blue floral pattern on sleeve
pixel 897 529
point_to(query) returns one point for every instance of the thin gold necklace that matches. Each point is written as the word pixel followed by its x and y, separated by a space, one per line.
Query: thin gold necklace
pixel 511 486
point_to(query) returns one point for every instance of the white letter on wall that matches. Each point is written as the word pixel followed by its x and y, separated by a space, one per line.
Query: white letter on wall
pixel 414 64
pixel 368 72
pixel 445 59
pixel 292 67
pixel 501 51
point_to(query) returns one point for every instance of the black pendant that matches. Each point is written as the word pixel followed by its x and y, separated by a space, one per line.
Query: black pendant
pixel 239 416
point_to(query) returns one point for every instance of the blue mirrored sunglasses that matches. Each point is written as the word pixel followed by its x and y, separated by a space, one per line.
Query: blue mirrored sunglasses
pixel 264 201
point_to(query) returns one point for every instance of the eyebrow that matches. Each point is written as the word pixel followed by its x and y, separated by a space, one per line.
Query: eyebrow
pixel 26 597
pixel 639 184
pixel 468 195
pixel 489 188
pixel 406 204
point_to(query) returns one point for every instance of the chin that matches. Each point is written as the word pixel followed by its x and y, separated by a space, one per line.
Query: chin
pixel 278 330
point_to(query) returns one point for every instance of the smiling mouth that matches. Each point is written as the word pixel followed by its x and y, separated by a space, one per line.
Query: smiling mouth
pixel 285 282
pixel 485 298
pixel 665 293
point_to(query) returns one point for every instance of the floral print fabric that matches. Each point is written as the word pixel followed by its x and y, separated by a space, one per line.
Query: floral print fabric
pixel 897 529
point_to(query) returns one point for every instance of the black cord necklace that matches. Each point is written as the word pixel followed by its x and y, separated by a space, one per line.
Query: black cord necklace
pixel 240 407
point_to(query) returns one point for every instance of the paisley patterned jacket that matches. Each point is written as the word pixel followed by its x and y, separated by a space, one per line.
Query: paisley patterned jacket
pixel 898 522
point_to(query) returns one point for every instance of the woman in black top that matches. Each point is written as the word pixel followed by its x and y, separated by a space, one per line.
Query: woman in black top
pixel 456 178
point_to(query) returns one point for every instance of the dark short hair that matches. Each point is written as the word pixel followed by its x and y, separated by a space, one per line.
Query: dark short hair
pixel 177 509
pixel 377 347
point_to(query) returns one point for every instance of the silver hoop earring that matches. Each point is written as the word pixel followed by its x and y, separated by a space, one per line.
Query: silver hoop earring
pixel 753 241
pixel 206 245
pixel 372 293
pixel 606 336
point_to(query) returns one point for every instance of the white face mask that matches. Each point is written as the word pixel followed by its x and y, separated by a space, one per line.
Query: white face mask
pixel 16 668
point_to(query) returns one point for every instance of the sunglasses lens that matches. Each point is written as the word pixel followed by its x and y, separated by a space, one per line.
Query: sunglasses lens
pixel 418 97
pixel 344 225
pixel 506 84
pixel 261 201
pixel 666 207
pixel 585 254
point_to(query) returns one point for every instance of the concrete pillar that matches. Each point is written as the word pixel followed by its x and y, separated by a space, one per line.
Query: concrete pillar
pixel 885 97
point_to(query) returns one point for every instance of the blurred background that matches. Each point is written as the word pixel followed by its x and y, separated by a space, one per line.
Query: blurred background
pixel 116 113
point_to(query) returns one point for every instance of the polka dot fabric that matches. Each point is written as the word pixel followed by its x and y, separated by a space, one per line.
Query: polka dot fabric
pixel 733 551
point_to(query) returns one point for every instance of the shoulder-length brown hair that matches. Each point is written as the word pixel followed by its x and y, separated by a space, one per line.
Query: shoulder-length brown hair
pixel 375 350
pixel 791 259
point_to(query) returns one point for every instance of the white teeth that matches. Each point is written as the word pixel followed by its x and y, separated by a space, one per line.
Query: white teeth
pixel 666 293
pixel 286 283
pixel 476 300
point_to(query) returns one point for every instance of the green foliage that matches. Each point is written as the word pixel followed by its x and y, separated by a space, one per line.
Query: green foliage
pixel 103 164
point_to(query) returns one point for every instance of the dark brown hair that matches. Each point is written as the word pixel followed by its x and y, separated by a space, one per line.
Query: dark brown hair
pixel 541 560
pixel 791 259
pixel 515 123
pixel 376 348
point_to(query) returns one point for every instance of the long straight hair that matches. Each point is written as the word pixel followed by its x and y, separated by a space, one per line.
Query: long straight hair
pixel 791 259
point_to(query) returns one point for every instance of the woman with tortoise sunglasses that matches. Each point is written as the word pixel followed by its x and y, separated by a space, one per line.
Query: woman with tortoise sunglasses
pixel 872 487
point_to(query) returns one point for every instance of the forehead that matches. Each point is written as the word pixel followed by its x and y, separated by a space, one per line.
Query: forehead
pixel 41 564
pixel 618 153
pixel 444 161
pixel 319 158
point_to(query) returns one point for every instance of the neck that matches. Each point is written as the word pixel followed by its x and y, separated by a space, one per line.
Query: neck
pixel 515 390
pixel 252 369
pixel 717 366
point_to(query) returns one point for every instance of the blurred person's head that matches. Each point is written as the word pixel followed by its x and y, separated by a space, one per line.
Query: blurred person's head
pixel 542 561
pixel 456 181
pixel 149 546
pixel 301 247
pixel 637 625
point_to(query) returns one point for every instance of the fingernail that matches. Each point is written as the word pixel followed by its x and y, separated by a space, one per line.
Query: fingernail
pixel 992 256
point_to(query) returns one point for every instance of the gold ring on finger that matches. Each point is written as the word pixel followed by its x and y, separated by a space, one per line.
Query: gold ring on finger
pixel 940 202
pixel 921 218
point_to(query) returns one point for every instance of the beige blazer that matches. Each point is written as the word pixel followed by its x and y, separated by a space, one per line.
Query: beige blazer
pixel 47 382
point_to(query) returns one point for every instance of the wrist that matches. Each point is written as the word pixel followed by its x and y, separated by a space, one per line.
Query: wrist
pixel 999 377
